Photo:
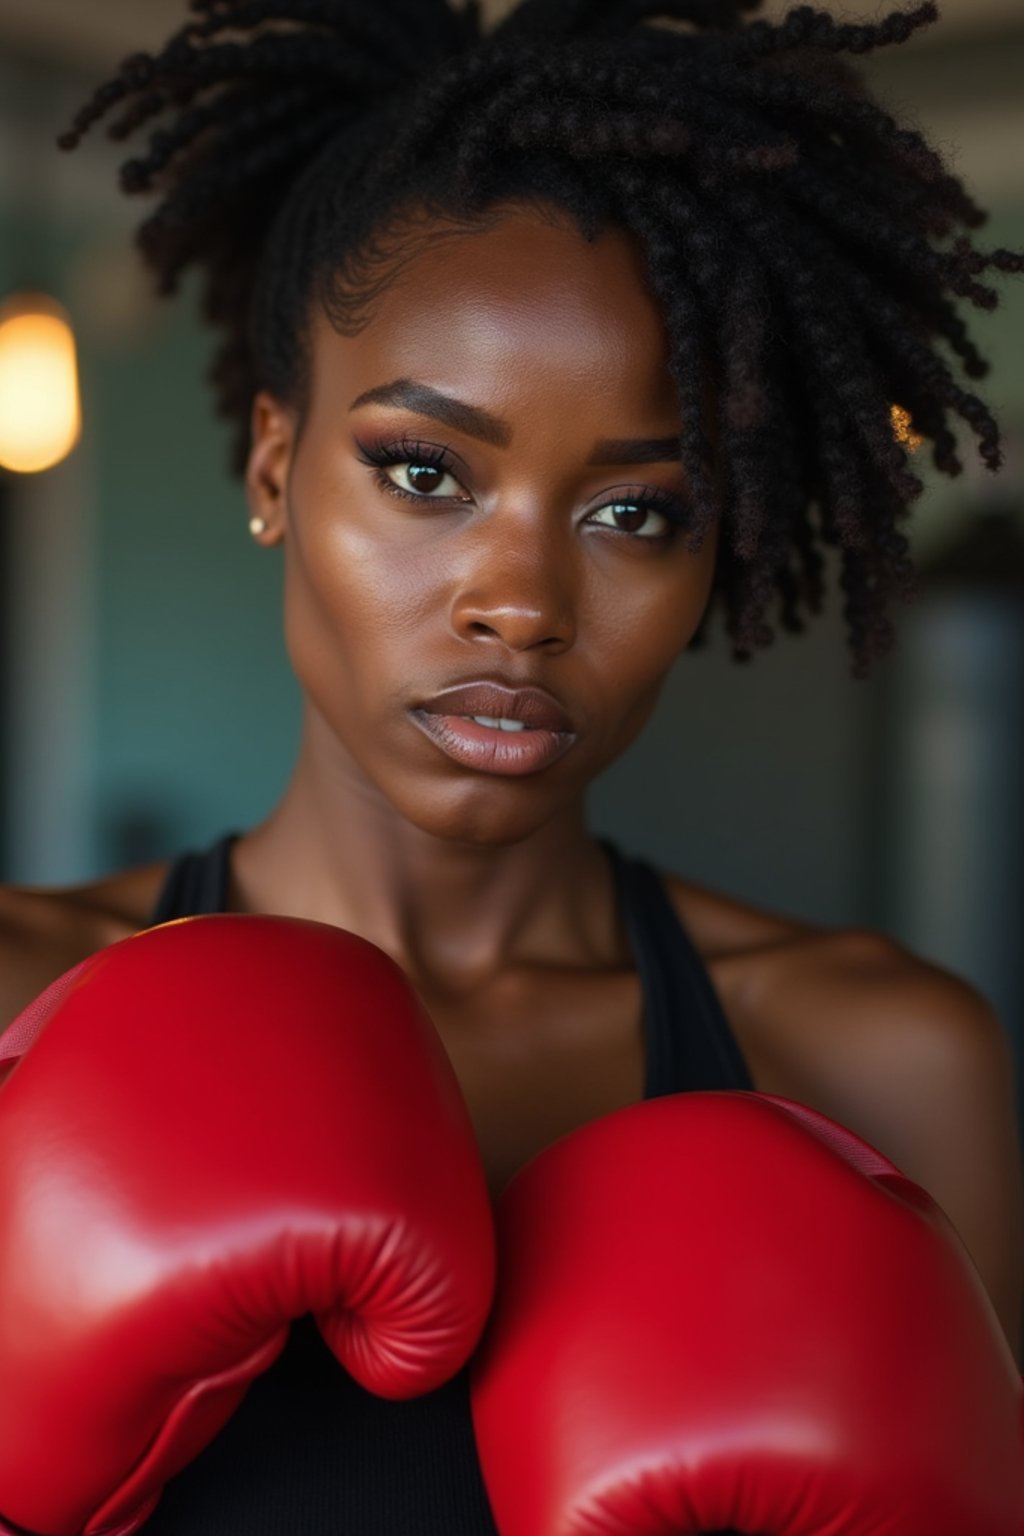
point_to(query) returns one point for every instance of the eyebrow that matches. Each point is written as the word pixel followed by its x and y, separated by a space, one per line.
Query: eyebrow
pixel 474 421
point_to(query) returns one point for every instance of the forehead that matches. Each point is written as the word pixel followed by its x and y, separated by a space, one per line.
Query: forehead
pixel 523 305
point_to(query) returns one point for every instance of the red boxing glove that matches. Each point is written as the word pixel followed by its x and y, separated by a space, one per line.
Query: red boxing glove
pixel 219 1125
pixel 723 1312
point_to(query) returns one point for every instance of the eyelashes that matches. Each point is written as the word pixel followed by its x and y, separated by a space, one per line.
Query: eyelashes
pixel 644 499
pixel 628 501
pixel 407 451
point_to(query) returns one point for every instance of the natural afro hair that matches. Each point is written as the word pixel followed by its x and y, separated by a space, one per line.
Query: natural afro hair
pixel 790 229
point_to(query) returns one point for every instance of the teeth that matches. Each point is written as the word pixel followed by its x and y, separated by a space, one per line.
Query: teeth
pixel 496 723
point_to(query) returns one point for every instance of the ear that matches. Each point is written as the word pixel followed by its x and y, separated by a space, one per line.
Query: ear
pixel 274 431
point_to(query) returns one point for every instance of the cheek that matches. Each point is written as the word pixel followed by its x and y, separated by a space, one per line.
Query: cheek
pixel 644 625
pixel 355 599
pixel 328 578
pixel 637 638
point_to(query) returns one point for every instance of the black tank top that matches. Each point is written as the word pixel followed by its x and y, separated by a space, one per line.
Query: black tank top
pixel 311 1453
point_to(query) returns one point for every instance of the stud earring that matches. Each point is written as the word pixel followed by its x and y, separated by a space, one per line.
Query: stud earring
pixel 257 525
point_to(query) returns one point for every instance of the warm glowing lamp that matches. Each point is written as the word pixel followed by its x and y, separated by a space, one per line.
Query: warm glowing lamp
pixel 40 417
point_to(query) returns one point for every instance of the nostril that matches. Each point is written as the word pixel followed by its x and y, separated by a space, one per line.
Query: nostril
pixel 479 627
pixel 483 615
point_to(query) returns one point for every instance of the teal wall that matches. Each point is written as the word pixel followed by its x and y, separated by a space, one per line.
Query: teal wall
pixel 196 707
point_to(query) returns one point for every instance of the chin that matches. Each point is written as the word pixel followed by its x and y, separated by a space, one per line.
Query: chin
pixel 489 816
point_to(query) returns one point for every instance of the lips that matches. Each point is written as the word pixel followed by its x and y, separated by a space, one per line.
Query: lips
pixel 465 723
pixel 533 707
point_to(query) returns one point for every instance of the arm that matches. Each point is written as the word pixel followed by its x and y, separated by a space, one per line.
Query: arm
pixel 43 935
pixel 916 1061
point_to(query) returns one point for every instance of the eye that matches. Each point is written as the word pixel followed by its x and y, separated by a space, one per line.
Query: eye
pixel 414 471
pixel 420 479
pixel 650 515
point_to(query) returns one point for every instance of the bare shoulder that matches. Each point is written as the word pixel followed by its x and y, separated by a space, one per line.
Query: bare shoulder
pixel 907 1054
pixel 46 930
pixel 835 1004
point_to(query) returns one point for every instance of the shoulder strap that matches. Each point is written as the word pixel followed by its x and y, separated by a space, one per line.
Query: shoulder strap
pixel 196 883
pixel 690 1044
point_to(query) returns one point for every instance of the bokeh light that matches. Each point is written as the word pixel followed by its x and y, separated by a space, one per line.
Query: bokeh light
pixel 40 414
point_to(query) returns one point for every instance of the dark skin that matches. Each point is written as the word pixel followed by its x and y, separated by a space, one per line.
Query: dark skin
pixel 523 560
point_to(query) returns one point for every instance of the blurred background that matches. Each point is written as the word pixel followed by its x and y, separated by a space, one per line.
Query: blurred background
pixel 146 703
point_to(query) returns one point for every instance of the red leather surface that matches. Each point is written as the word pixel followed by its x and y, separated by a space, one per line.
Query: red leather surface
pixel 223 1123
pixel 719 1311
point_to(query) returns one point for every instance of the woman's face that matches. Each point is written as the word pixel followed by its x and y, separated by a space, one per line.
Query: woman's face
pixel 478 496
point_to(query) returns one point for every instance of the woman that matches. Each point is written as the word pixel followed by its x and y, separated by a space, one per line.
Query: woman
pixel 541 345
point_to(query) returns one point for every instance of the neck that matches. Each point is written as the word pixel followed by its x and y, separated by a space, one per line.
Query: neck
pixel 452 913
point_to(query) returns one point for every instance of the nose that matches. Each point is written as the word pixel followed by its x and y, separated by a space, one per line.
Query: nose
pixel 516 590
